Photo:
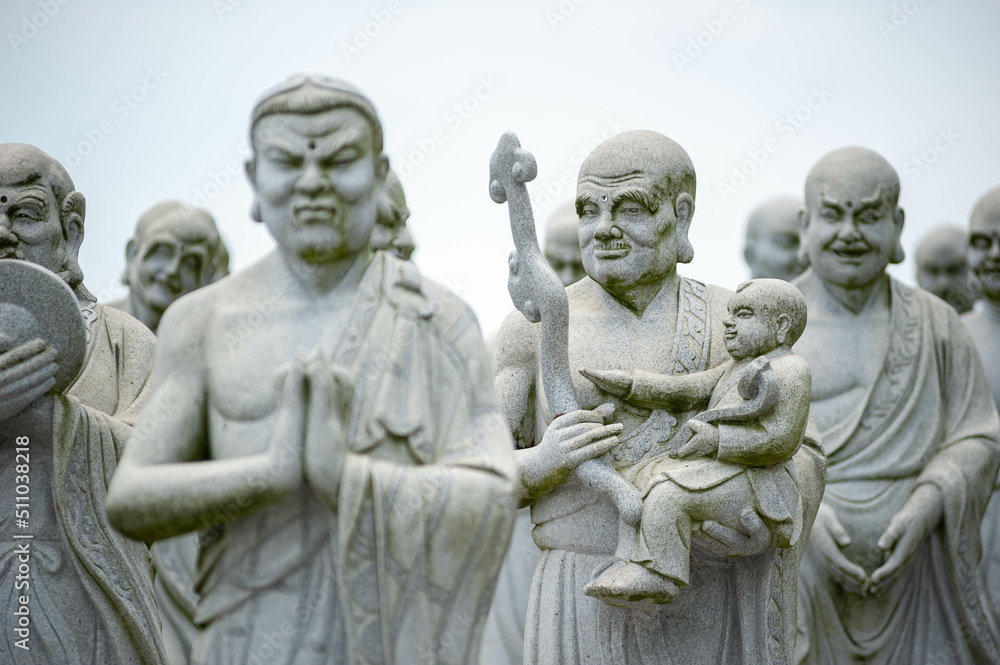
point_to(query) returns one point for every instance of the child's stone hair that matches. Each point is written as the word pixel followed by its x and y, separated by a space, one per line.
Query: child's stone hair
pixel 780 297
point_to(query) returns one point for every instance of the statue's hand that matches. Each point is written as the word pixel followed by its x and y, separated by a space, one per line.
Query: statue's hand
pixel 284 454
pixel 724 541
pixel 569 440
pixel 26 373
pixel 827 538
pixel 704 443
pixel 612 381
pixel 907 530
pixel 330 391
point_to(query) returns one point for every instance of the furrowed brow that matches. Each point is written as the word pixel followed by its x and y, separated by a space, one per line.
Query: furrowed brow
pixel 637 195
pixel 582 201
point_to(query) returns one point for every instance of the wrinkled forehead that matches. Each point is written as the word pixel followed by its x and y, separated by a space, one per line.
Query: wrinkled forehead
pixel 595 184
pixel 180 227
pixel 848 193
pixel 344 124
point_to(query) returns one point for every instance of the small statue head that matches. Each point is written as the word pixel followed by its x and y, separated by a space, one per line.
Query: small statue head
pixel 772 240
pixel 562 245
pixel 984 244
pixel 316 168
pixel 41 214
pixel 852 222
pixel 635 199
pixel 390 232
pixel 175 250
pixel 943 268
pixel 764 314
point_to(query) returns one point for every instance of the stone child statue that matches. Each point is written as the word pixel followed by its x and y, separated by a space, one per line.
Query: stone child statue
pixel 911 437
pixel 91 590
pixel 772 247
pixel 943 269
pixel 635 204
pixel 175 250
pixel 741 448
pixel 326 418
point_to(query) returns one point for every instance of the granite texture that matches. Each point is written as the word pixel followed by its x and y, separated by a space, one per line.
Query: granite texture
pixel 326 419
pixel 73 376
pixel 911 437
pixel 635 199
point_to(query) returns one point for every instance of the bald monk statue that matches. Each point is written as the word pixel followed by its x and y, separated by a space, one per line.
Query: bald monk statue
pixel 943 269
pixel 984 328
pixel 175 250
pixel 562 246
pixel 390 232
pixel 90 589
pixel 635 202
pixel 772 246
pixel 911 437
pixel 345 460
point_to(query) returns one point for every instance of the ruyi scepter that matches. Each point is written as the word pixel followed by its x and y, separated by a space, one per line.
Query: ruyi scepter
pixel 540 296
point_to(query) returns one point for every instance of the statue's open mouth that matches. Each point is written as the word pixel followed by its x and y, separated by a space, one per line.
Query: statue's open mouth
pixel 311 213
pixel 612 250
pixel 850 251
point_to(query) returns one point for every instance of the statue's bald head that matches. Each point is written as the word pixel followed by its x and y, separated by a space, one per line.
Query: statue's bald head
pixel 986 213
pixel 855 167
pixel 646 152
pixel 33 180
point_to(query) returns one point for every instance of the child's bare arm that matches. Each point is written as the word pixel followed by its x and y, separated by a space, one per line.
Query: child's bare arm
pixel 650 390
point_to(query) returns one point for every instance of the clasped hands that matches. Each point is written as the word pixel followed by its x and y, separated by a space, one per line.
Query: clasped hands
pixel 309 444
pixel 906 531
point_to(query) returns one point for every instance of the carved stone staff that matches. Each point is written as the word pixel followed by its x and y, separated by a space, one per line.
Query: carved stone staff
pixel 540 296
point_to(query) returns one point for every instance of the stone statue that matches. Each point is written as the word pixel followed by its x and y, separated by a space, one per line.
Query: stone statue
pixel 942 268
pixel 910 433
pixel 175 250
pixel 772 246
pixel 635 200
pixel 984 328
pixel 390 232
pixel 89 590
pixel 562 246
pixel 503 636
pixel 326 418
pixel 740 448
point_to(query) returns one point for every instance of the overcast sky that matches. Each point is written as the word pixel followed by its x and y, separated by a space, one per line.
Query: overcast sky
pixel 150 101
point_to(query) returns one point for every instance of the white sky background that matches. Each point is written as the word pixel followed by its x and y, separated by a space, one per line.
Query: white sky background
pixel 559 84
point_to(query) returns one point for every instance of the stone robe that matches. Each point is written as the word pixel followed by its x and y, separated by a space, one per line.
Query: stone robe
pixel 91 592
pixel 928 418
pixel 404 571
pixel 732 611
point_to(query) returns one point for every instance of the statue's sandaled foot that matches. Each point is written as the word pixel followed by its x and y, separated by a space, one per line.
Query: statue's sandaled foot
pixel 626 583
